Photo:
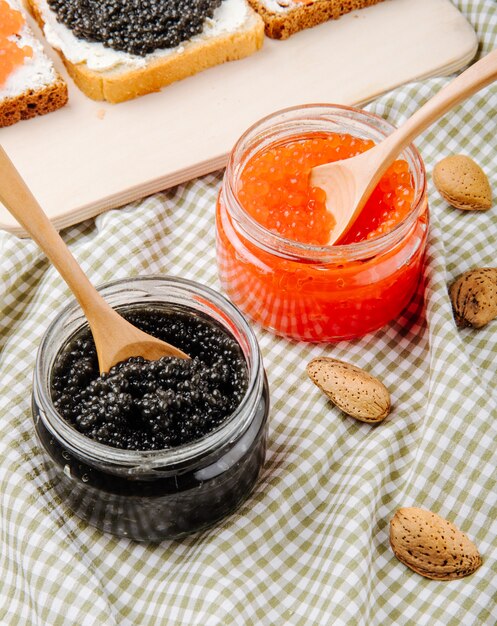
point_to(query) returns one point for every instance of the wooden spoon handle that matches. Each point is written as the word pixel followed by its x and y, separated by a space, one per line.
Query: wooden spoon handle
pixel 477 76
pixel 19 200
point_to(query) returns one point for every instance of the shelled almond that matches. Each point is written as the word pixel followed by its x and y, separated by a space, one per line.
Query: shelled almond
pixel 474 297
pixel 352 389
pixel 431 545
pixel 462 183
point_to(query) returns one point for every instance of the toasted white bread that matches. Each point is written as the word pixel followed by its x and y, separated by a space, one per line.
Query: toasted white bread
pixel 104 74
pixel 283 18
pixel 33 87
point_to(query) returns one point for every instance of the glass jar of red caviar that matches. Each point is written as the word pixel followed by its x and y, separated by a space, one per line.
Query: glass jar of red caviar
pixel 272 254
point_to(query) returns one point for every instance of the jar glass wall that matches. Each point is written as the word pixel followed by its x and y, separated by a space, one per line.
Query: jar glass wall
pixel 153 495
pixel 317 292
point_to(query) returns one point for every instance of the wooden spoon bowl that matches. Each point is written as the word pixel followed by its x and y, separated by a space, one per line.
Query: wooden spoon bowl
pixel 349 183
pixel 115 338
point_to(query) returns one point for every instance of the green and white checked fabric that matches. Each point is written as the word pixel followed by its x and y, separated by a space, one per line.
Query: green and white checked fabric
pixel 311 545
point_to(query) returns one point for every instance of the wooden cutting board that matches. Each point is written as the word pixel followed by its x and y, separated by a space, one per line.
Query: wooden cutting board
pixel 92 156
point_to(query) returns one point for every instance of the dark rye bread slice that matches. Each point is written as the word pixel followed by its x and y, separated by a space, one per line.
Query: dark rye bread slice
pixel 33 102
pixel 298 15
pixel 33 87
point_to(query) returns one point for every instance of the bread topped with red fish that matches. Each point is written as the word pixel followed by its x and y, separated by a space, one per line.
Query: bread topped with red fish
pixel 283 18
pixel 29 83
pixel 116 50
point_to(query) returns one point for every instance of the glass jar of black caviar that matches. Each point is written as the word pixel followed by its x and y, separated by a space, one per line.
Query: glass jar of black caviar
pixel 154 494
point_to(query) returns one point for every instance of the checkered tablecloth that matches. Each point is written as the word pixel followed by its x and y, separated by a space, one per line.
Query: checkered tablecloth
pixel 310 546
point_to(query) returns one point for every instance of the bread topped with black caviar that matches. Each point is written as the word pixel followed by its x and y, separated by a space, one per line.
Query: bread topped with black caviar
pixel 283 18
pixel 116 50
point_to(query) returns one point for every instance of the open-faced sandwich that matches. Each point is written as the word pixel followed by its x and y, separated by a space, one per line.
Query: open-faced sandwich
pixel 29 83
pixel 119 49
pixel 283 18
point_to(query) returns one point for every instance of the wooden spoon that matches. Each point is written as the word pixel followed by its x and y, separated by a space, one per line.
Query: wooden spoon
pixel 115 339
pixel 349 183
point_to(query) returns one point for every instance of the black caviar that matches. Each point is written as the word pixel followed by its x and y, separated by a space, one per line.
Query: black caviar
pixel 135 26
pixel 153 405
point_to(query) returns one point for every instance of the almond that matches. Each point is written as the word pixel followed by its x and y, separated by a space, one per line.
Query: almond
pixel 432 546
pixel 352 389
pixel 474 297
pixel 462 183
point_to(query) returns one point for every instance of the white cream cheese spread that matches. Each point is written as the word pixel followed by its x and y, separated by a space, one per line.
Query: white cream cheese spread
pixel 280 6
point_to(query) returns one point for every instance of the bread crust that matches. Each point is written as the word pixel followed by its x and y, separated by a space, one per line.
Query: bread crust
pixel 305 14
pixel 33 102
pixel 120 85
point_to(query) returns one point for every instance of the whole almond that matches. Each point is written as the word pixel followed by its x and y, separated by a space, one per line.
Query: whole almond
pixel 474 297
pixel 352 389
pixel 432 546
pixel 462 183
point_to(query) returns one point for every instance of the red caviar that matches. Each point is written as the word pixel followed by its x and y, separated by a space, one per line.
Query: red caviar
pixel 274 188
pixel 11 55
pixel 273 228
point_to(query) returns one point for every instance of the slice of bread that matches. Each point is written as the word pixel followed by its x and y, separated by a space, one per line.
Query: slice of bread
pixel 283 18
pixel 33 87
pixel 104 74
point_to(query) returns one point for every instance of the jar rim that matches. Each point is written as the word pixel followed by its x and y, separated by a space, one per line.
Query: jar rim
pixel 275 243
pixel 143 460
